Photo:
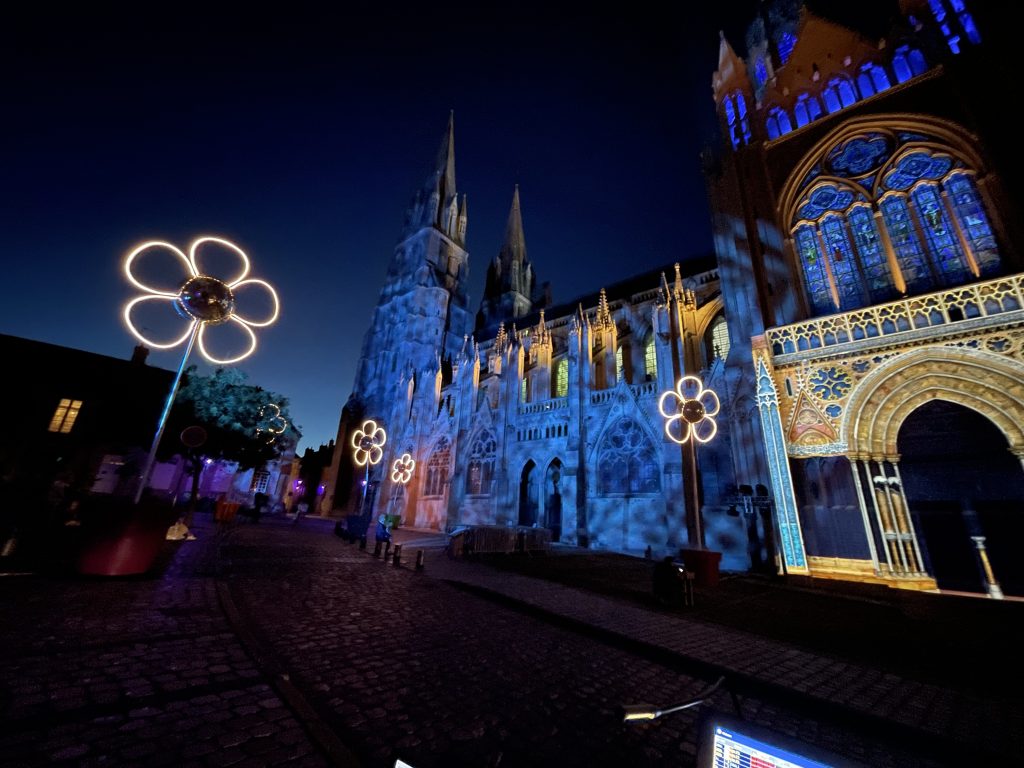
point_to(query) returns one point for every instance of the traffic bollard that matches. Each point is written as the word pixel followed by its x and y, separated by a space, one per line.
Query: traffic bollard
pixel 419 559
pixel 398 555
pixel 362 543
pixel 376 549
pixel 387 550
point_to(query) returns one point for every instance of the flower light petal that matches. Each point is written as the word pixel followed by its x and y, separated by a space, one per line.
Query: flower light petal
pixel 193 254
pixel 138 334
pixel 217 361
pixel 709 399
pixel 696 430
pixel 376 454
pixel 139 250
pixel 677 424
pixel 273 295
pixel 674 413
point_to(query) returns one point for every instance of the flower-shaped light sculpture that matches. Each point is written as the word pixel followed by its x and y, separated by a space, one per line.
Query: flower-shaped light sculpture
pixel 200 299
pixel 368 442
pixel 402 469
pixel 275 424
pixel 689 411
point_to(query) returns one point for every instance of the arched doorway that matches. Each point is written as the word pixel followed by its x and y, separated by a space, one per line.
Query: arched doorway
pixel 528 495
pixel 553 499
pixel 960 481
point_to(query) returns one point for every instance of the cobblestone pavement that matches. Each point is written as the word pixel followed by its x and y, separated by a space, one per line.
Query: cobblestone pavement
pixel 136 672
pixel 295 648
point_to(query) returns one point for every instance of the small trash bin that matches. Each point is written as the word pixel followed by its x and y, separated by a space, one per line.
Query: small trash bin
pixel 703 564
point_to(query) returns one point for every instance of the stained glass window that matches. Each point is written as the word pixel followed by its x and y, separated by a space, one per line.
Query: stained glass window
pixel 844 265
pixel 973 221
pixel 786 42
pixel 719 339
pixel 917 165
pixel 778 123
pixel 736 117
pixel 481 464
pixel 942 240
pixel 562 378
pixel 904 241
pixel 627 461
pixel 838 93
pixel 806 241
pixel 807 109
pixel 651 359
pixel 760 72
pixel 907 62
pixel 824 198
pixel 437 469
pixel 872 253
pixel 858 156
pixel 872 79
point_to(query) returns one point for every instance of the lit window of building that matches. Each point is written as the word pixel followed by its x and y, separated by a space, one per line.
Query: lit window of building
pixel 260 481
pixel 64 417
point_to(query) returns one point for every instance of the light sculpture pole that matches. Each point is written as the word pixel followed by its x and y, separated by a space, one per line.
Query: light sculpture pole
pixel 689 412
pixel 368 444
pixel 204 302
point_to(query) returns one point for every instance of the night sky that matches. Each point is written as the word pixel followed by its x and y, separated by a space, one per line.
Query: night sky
pixel 302 136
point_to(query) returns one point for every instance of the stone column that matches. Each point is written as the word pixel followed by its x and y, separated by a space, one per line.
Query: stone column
pixel 855 461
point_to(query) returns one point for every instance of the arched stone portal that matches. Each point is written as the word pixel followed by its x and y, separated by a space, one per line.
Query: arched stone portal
pixel 961 481
pixel 983 383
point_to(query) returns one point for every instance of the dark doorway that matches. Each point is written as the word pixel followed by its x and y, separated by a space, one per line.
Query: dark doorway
pixel 553 499
pixel 961 481
pixel 528 495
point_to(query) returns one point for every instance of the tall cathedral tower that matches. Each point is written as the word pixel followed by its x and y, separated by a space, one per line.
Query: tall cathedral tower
pixel 422 314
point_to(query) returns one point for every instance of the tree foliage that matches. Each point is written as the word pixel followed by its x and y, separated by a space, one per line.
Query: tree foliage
pixel 234 414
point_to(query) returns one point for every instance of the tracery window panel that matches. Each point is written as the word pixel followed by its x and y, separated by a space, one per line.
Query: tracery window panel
pixel 437 468
pixel 807 109
pixel 719 339
pixel 844 265
pixel 973 221
pixel 908 62
pixel 627 461
pixel 909 255
pixel 778 123
pixel 650 359
pixel 873 259
pixel 806 240
pixel 562 378
pixel 942 241
pixel 480 470
pixel 839 94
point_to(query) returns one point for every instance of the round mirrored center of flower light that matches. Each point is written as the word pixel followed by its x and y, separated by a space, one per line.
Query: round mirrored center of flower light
pixel 366 443
pixel 206 299
pixel 693 411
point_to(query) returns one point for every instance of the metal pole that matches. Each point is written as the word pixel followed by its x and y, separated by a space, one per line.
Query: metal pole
pixel 690 448
pixel 151 458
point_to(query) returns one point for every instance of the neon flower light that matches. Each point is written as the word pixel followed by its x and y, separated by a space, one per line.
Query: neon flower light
pixel 276 424
pixel 203 301
pixel 368 442
pixel 689 410
pixel 402 469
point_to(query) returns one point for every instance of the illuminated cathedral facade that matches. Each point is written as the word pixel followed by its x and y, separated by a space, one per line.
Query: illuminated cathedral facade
pixel 869 261
pixel 863 326
pixel 528 414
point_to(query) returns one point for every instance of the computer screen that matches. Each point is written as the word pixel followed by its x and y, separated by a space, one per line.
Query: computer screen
pixel 734 749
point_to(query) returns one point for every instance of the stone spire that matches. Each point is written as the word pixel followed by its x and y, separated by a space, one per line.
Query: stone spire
pixel 604 314
pixel 509 291
pixel 436 204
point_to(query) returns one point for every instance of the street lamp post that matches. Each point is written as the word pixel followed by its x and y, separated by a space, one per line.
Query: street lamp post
pixel 689 412
pixel 204 302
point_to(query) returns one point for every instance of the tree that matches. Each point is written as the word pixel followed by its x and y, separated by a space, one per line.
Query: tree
pixel 239 426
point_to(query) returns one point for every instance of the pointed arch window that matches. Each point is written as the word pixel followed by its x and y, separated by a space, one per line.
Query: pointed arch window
pixel 651 359
pixel 786 41
pixel 807 109
pixel 908 62
pixel 736 118
pixel 627 461
pixel 480 471
pixel 562 378
pixel 718 338
pixel 438 466
pixel 777 123
pixel 872 79
pixel 973 221
pixel 940 235
pixel 838 93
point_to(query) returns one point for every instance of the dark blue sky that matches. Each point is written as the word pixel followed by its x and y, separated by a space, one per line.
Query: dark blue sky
pixel 302 135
